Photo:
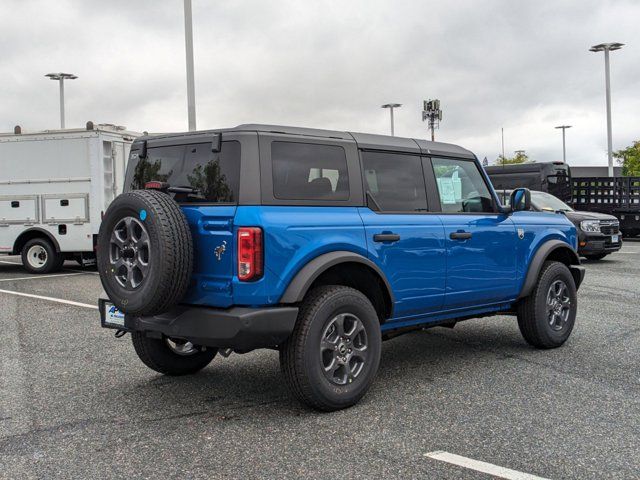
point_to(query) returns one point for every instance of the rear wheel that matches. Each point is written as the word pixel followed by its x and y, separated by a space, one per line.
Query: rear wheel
pixel 171 356
pixel 547 316
pixel 599 256
pixel 40 256
pixel 332 356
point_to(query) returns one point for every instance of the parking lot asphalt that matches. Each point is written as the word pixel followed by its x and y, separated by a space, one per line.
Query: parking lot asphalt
pixel 75 402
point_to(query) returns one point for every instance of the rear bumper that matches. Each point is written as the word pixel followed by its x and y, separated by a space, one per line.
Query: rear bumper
pixel 238 328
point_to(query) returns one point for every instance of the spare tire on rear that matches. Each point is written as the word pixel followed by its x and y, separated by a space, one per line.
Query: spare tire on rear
pixel 145 252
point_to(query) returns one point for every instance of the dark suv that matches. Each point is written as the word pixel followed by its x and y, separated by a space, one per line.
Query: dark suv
pixel 321 244
pixel 598 233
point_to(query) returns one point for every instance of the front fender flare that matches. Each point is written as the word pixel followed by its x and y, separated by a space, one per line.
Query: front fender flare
pixel 300 284
pixel 539 258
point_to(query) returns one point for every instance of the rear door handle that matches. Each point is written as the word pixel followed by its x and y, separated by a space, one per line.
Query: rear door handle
pixel 460 235
pixel 386 237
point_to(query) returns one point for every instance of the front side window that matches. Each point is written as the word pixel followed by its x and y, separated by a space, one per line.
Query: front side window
pixel 395 181
pixel 308 171
pixel 213 176
pixel 461 187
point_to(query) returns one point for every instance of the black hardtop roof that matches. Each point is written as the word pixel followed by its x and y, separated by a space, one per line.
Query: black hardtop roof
pixel 525 167
pixel 364 140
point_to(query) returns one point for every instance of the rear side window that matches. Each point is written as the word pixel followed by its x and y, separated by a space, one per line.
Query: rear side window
pixel 395 181
pixel 307 171
pixel 214 176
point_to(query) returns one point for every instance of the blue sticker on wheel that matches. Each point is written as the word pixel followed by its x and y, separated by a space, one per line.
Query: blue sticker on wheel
pixel 143 215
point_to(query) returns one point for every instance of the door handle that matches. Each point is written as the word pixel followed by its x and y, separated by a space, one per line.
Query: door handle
pixel 386 237
pixel 460 235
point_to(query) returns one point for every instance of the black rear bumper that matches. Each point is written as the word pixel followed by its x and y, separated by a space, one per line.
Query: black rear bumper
pixel 238 328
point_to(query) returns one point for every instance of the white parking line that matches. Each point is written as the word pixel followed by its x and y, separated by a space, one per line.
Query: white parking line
pixel 50 299
pixel 38 277
pixel 479 466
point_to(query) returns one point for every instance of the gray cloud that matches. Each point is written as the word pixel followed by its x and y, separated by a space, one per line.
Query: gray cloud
pixel 524 66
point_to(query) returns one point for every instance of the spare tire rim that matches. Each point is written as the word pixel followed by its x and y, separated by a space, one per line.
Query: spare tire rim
pixel 37 256
pixel 558 305
pixel 343 349
pixel 129 253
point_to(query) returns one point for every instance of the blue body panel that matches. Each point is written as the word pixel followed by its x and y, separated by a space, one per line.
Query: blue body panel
pixel 482 269
pixel 415 265
pixel 433 278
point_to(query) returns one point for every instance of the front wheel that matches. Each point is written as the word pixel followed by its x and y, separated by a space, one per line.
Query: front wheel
pixel 40 256
pixel 547 316
pixel 171 356
pixel 332 356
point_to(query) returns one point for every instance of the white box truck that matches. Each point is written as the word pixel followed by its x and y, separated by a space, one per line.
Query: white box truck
pixel 54 187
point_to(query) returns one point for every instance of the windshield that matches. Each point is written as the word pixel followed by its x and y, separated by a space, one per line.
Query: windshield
pixel 547 202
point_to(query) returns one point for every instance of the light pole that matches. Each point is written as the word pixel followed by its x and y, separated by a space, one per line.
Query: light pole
pixel 606 48
pixel 391 106
pixel 191 88
pixel 564 149
pixel 61 77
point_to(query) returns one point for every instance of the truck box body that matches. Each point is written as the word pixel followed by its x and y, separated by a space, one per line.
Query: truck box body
pixel 59 183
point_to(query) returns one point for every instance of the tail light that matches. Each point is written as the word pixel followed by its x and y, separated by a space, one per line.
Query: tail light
pixel 250 258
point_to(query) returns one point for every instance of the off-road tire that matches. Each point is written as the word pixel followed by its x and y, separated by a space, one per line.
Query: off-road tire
pixel 300 357
pixel 54 260
pixel 533 310
pixel 599 256
pixel 170 252
pixel 156 354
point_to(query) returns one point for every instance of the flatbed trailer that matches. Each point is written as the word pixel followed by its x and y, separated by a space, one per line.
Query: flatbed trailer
pixel 617 196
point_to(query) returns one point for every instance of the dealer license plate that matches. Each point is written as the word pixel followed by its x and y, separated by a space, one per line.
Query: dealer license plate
pixel 112 315
pixel 615 238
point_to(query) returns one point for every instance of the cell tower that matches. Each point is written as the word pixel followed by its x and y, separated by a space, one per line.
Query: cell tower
pixel 431 113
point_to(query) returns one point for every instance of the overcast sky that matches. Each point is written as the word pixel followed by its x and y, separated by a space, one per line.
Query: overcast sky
pixel 521 65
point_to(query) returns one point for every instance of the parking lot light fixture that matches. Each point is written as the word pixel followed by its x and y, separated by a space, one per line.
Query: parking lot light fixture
pixel 391 106
pixel 61 77
pixel 564 149
pixel 606 48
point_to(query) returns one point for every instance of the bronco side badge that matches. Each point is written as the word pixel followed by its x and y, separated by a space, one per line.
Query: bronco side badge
pixel 220 249
pixel 521 233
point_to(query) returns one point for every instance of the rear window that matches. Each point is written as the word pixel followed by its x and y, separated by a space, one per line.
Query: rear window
pixel 213 175
pixel 304 171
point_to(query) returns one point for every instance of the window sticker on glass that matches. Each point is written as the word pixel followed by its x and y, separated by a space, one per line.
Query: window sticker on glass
pixel 447 190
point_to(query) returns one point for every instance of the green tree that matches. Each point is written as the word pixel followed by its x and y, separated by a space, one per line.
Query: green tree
pixel 517 158
pixel 629 158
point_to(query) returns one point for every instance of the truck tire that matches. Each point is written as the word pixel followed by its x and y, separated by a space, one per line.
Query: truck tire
pixel 40 256
pixel 331 358
pixel 169 356
pixel 547 316
pixel 145 252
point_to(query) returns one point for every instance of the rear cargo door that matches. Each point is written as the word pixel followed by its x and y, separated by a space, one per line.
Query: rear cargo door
pixel 209 175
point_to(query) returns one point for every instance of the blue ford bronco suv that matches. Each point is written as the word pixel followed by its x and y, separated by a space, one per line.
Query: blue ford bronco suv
pixel 321 244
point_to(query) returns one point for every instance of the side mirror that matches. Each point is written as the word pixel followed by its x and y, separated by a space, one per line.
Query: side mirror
pixel 520 200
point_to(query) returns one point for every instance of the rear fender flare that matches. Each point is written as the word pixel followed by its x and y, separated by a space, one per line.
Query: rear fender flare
pixel 300 284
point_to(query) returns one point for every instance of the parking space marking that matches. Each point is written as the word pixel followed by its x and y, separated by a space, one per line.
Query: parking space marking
pixel 483 467
pixel 50 299
pixel 38 277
